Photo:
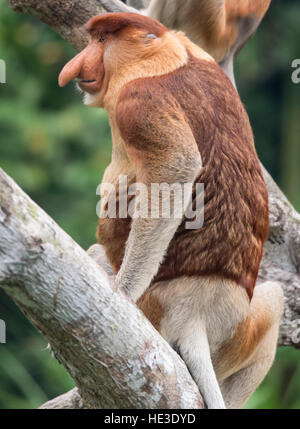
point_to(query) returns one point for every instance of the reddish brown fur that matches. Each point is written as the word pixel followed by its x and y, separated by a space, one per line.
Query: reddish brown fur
pixel 236 209
pixel 113 22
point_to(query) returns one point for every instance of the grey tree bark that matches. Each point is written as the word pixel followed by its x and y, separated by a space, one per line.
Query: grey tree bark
pixel 74 307
pixel 113 353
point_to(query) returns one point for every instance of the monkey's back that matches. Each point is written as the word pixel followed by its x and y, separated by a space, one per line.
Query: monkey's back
pixel 230 242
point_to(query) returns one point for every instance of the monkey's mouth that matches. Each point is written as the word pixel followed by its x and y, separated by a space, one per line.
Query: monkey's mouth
pixel 89 85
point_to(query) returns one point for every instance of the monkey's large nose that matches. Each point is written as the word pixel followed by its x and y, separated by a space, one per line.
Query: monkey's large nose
pixel 71 70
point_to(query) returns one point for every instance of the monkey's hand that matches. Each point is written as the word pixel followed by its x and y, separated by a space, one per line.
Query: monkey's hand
pixel 145 249
pixel 161 145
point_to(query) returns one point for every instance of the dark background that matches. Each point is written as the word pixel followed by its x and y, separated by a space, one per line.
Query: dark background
pixel 56 149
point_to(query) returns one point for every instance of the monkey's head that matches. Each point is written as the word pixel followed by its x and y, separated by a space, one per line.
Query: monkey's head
pixel 118 41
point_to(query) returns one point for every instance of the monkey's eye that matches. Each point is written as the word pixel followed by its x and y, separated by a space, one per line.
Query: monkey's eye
pixel 102 38
pixel 151 36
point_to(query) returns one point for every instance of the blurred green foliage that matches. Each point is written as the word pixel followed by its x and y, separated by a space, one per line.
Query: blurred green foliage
pixel 56 150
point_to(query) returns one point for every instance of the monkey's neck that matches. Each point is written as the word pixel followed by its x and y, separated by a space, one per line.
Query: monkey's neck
pixel 171 56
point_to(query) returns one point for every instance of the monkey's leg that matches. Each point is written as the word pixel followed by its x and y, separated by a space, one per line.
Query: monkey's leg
pixel 238 388
pixel 197 314
pixel 97 252
pixel 194 349
pixel 267 303
pixel 192 344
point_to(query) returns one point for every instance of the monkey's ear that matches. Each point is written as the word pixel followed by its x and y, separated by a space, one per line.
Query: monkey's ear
pixel 113 22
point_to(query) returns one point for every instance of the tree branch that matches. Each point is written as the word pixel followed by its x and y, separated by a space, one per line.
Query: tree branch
pixel 70 400
pixel 281 260
pixel 66 17
pixel 137 4
pixel 115 356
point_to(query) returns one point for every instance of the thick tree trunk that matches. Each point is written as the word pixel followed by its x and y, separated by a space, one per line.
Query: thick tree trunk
pixel 114 355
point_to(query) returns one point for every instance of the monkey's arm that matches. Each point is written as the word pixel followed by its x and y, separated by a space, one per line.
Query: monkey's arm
pixel 218 26
pixel 163 150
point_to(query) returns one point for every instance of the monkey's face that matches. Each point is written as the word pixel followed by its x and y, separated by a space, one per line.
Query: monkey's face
pixel 87 67
pixel 117 41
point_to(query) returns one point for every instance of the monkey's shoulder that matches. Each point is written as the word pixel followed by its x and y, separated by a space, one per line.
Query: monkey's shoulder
pixel 149 116
pixel 197 87
pixel 144 100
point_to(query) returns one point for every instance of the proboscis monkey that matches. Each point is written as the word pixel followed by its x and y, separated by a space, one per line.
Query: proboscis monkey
pixel 220 27
pixel 177 119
